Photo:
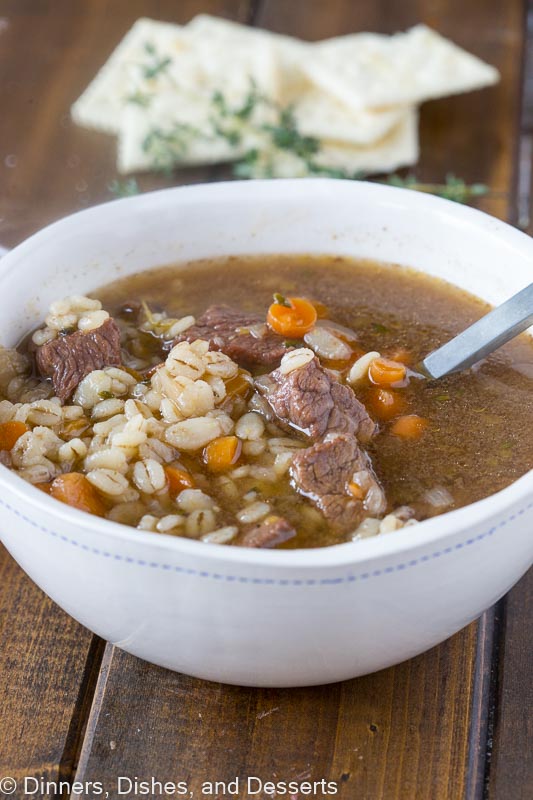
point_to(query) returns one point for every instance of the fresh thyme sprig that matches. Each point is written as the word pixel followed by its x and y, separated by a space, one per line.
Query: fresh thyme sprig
pixel 156 65
pixel 277 136
pixel 260 133
pixel 453 188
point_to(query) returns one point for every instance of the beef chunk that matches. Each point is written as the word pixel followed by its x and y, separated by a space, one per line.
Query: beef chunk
pixel 226 329
pixel 310 400
pixel 323 473
pixel 68 359
pixel 269 533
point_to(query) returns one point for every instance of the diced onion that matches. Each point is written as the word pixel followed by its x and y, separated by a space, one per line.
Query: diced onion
pixel 439 497
pixel 327 345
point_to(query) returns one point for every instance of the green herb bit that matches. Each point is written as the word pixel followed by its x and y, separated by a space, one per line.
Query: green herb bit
pixel 453 188
pixel 254 164
pixel 125 188
pixel 334 172
pixel 106 395
pixel 379 328
pixel 246 167
pixel 251 101
pixel 142 99
pixel 147 313
pixel 219 103
pixel 281 300
pixel 292 342
pixel 442 398
pixel 167 147
pixel 286 136
pixel 162 324
pixel 159 64
pixel 232 136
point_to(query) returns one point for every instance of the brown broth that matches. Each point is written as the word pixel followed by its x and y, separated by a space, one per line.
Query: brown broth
pixel 480 435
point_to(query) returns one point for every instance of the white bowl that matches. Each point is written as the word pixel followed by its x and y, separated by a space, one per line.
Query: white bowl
pixel 252 617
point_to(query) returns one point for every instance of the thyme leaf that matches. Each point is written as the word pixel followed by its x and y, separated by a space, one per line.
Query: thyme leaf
pixel 281 300
pixel 167 147
pixel 142 99
pixel 285 135
pixel 453 188
pixel 156 65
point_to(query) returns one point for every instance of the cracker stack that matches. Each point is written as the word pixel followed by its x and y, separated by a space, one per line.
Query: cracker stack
pixel 357 94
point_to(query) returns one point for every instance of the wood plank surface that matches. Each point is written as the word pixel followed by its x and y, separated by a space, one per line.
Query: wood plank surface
pixel 511 765
pixel 49 166
pixel 400 733
pixel 511 768
pixel 48 669
pixel 414 731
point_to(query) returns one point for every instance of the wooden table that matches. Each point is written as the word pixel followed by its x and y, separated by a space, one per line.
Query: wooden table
pixel 453 723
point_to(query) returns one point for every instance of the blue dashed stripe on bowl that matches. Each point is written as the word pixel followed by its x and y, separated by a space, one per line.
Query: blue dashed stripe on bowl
pixel 363 576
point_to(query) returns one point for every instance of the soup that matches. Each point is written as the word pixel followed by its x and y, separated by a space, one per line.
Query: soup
pixel 264 402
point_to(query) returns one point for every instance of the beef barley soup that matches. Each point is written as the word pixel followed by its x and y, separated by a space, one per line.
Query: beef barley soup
pixel 264 402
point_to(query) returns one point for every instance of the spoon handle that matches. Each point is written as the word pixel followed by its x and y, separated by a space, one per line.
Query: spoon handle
pixel 487 334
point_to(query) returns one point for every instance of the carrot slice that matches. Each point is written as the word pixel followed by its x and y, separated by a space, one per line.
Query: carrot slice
pixel 410 426
pixel 384 404
pixel 178 480
pixel 222 453
pixel 44 487
pixel 385 372
pixel 10 433
pixel 293 318
pixel 75 490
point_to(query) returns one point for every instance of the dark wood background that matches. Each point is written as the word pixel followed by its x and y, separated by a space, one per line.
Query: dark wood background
pixel 454 723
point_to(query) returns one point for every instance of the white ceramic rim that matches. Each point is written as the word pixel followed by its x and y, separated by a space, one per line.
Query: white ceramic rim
pixel 345 554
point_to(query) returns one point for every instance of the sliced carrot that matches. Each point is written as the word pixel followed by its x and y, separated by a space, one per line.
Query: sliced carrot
pixel 410 426
pixel 222 453
pixel 178 480
pixel 384 404
pixel 75 490
pixel 10 433
pixel 294 319
pixel 385 372
pixel 356 490
pixel 44 487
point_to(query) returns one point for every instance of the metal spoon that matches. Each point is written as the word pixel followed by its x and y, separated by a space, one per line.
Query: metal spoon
pixel 483 337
